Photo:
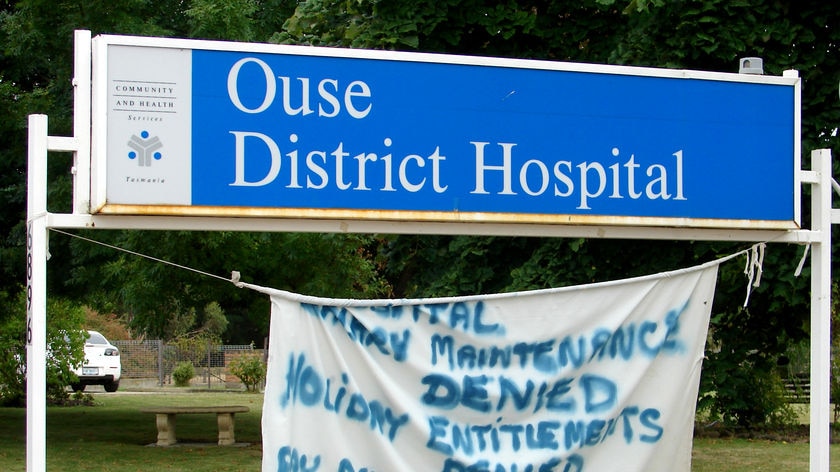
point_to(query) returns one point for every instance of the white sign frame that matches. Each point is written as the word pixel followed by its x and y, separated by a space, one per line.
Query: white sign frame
pixel 122 63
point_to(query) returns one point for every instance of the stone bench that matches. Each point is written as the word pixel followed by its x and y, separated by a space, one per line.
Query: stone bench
pixel 165 421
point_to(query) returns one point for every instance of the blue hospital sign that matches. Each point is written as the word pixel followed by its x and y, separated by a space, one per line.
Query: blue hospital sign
pixel 194 127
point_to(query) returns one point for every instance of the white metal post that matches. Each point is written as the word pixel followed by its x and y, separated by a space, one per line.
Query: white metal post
pixel 36 291
pixel 821 311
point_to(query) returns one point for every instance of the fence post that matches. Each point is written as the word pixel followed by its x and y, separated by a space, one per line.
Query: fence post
pixel 160 362
pixel 207 369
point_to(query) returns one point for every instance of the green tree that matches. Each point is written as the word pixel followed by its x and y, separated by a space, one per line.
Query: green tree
pixel 231 20
pixel 739 381
pixel 35 77
pixel 36 71
pixel 510 28
pixel 65 340
pixel 693 34
pixel 713 34
pixel 156 297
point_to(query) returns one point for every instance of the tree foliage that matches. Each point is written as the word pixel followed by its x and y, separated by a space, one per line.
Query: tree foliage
pixel 705 35
pixel 166 301
pixel 160 300
pixel 65 342
pixel 157 300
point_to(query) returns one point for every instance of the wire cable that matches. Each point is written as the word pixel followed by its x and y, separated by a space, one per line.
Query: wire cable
pixel 162 261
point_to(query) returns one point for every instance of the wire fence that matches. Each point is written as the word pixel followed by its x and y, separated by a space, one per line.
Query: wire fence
pixel 155 360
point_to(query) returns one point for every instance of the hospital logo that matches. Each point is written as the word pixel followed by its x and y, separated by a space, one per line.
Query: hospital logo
pixel 144 149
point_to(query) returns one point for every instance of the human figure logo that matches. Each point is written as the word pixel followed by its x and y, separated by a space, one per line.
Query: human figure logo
pixel 144 149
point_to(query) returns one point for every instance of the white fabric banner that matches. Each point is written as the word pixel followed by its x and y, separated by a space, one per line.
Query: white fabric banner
pixel 600 378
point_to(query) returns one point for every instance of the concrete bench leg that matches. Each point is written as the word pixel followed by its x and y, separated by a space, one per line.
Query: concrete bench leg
pixel 166 429
pixel 226 429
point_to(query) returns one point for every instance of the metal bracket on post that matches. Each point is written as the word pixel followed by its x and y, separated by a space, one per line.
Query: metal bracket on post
pixel 82 122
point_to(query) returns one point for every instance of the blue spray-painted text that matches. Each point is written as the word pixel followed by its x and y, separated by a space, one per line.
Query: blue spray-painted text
pixel 391 344
pixel 573 463
pixel 304 384
pixel 648 339
pixel 633 424
pixel 289 459
pixel 590 393
pixel 462 316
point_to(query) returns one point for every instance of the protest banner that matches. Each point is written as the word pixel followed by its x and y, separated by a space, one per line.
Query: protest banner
pixel 600 377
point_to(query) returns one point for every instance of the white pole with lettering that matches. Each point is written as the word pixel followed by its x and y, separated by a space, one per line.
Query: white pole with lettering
pixel 36 296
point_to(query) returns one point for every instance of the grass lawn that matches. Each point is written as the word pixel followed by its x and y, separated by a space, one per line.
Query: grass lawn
pixel 113 436
pixel 746 455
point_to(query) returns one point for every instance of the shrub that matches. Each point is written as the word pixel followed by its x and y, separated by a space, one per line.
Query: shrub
pixel 183 373
pixel 749 390
pixel 250 370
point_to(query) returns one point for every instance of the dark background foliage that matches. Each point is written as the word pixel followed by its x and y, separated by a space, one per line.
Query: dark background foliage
pixel 158 300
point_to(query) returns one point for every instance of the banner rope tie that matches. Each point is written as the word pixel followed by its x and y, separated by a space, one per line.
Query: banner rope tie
pixel 799 267
pixel 754 268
